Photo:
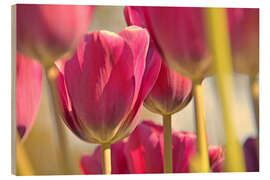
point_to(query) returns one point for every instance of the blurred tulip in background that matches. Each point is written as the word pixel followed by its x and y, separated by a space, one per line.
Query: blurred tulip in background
pixel 244 34
pixel 47 32
pixel 142 152
pixel 28 92
pixel 179 34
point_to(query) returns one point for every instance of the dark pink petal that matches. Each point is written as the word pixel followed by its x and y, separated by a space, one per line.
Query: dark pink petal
pixel 216 156
pixel 152 68
pixel 251 155
pixel 92 164
pixel 143 149
pixel 102 91
pixel 184 147
pixel 68 114
pixel 46 32
pixel 28 92
pixel 171 92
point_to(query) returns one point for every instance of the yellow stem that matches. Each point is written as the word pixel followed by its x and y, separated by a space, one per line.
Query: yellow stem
pixel 254 88
pixel 202 147
pixel 167 135
pixel 106 159
pixel 51 74
pixel 24 167
pixel 218 37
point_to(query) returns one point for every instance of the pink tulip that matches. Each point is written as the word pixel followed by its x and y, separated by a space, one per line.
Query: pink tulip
pixel 103 86
pixel 178 33
pixel 28 92
pixel 142 152
pixel 171 92
pixel 47 32
pixel 244 33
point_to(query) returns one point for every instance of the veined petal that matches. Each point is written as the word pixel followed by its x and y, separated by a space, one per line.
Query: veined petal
pixel 138 40
pixel 104 80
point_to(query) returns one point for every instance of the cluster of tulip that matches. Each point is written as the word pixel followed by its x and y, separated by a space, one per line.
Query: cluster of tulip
pixel 99 81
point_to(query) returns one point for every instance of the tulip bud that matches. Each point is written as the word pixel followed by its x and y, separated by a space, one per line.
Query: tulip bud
pixel 28 92
pixel 179 34
pixel 103 86
pixel 244 34
pixel 47 32
pixel 171 92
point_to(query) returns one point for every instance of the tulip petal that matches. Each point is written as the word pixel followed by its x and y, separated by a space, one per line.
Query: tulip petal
pixel 184 146
pixel 68 114
pixel 217 157
pixel 138 40
pixel 101 62
pixel 143 149
pixel 28 92
pixel 92 164
pixel 152 68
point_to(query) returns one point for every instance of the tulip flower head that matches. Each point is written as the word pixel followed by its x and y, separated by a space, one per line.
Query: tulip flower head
pixel 244 34
pixel 171 92
pixel 47 32
pixel 28 92
pixel 178 33
pixel 142 152
pixel 103 86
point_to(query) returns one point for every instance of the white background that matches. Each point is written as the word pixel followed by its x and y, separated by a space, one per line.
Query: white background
pixel 5 81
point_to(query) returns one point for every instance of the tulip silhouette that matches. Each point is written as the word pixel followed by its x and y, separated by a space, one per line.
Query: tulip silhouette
pixel 28 92
pixel 251 155
pixel 47 32
pixel 103 86
pixel 142 152
pixel 244 36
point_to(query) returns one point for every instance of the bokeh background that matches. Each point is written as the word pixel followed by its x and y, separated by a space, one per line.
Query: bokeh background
pixel 41 145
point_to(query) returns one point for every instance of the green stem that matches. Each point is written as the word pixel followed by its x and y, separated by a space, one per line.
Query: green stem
pixel 167 139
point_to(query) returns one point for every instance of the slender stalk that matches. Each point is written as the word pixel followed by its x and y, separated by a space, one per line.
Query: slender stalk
pixel 24 167
pixel 167 139
pixel 218 37
pixel 51 74
pixel 202 147
pixel 106 159
pixel 254 88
